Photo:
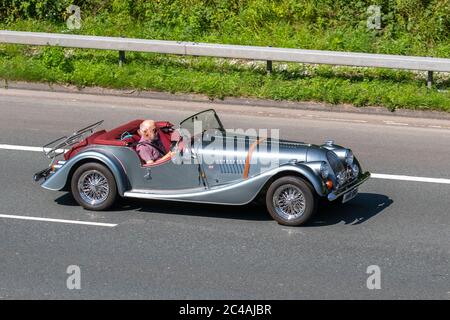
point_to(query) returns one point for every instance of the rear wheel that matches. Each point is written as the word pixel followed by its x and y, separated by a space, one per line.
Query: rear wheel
pixel 94 187
pixel 291 201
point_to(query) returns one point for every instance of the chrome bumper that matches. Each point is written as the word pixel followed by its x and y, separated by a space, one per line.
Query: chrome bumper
pixel 43 174
pixel 336 194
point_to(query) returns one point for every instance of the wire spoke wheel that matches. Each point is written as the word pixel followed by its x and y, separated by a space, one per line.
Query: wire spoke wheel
pixel 289 201
pixel 93 187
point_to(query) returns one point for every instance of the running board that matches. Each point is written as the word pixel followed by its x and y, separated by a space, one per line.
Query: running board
pixel 199 195
pixel 196 197
pixel 163 194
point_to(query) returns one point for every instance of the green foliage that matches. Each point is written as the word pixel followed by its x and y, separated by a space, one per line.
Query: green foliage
pixel 55 58
pixel 408 27
pixel 52 10
pixel 222 78
pixel 265 22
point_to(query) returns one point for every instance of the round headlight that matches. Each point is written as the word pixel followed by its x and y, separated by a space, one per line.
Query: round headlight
pixel 355 170
pixel 324 170
pixel 349 157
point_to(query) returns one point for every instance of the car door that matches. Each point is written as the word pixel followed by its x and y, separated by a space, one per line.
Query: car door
pixel 171 176
pixel 181 171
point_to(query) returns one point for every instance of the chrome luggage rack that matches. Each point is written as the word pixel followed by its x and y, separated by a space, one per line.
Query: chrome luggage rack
pixel 60 145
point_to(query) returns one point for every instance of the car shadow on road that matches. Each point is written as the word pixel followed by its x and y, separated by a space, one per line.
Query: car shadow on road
pixel 246 212
pixel 357 211
pixel 66 200
pixel 363 207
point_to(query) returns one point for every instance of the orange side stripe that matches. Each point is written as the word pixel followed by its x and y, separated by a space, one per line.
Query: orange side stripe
pixel 249 156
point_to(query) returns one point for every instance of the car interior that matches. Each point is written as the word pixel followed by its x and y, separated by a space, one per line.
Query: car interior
pixel 126 136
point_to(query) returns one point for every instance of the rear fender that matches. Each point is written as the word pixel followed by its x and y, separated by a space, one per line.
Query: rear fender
pixel 59 179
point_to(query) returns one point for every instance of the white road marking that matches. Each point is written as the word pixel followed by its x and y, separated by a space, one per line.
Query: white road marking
pixel 98 224
pixel 27 148
pixel 408 178
pixel 373 175
pixel 344 120
pixel 396 123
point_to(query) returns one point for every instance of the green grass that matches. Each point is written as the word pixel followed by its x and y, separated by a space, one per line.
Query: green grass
pixel 409 27
pixel 219 78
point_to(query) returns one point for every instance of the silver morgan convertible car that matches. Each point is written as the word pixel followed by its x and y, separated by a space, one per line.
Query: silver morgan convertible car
pixel 204 163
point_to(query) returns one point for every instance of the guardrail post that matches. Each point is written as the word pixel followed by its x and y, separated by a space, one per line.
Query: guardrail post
pixel 429 79
pixel 121 58
pixel 269 65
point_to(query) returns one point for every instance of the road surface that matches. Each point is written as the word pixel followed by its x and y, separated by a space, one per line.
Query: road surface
pixel 163 250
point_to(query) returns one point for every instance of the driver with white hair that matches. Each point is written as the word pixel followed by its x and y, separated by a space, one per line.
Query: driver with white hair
pixel 150 147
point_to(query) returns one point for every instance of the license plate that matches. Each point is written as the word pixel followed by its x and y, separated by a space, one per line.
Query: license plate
pixel 350 195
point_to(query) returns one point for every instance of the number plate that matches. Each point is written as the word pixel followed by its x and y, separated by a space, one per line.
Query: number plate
pixel 350 195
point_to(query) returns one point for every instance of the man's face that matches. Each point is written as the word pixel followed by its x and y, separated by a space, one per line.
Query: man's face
pixel 149 132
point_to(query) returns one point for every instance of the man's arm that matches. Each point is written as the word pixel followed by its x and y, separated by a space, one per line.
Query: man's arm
pixel 166 156
pixel 147 153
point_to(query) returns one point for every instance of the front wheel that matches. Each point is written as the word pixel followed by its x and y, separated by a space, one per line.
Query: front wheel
pixel 291 201
pixel 94 187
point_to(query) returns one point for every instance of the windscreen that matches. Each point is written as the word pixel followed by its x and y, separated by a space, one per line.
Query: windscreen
pixel 201 122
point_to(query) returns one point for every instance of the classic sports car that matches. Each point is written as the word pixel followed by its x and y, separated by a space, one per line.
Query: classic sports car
pixel 205 163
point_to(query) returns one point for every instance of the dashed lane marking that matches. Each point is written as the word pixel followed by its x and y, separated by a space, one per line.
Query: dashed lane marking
pixel 97 224
pixel 408 178
pixel 27 148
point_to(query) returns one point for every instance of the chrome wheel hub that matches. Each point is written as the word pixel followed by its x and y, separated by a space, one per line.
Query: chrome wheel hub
pixel 93 187
pixel 289 202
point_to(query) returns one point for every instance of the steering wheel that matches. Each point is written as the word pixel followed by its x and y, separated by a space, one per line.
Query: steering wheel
pixel 125 135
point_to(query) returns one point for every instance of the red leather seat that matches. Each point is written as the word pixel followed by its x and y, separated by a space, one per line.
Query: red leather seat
pixel 113 136
pixel 77 147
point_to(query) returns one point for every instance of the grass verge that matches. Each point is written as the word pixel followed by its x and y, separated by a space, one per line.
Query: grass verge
pixel 407 27
pixel 219 78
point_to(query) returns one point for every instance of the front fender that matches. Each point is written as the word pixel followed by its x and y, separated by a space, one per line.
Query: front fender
pixel 292 168
pixel 59 179
pixel 309 174
pixel 247 190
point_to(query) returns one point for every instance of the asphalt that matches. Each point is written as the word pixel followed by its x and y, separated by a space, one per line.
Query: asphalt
pixel 163 250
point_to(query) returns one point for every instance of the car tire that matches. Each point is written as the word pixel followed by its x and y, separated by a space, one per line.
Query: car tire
pixel 93 186
pixel 291 201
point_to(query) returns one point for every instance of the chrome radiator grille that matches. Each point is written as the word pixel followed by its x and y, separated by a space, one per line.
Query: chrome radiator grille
pixel 335 162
